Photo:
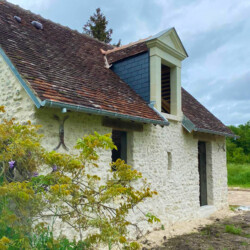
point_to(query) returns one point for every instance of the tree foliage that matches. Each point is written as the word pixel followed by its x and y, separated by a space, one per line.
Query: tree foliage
pixel 238 151
pixel 96 207
pixel 97 28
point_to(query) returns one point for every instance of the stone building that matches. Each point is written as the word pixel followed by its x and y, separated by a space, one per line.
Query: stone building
pixel 133 92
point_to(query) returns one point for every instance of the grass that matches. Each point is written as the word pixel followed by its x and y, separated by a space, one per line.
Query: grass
pixel 233 207
pixel 233 230
pixel 239 175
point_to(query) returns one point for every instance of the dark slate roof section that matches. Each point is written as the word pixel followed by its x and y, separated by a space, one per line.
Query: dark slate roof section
pixel 64 66
pixel 203 120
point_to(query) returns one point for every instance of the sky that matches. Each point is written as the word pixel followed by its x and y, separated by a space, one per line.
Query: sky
pixel 214 33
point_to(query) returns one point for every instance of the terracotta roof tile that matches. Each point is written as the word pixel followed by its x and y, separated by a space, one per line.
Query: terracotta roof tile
pixel 66 66
pixel 200 116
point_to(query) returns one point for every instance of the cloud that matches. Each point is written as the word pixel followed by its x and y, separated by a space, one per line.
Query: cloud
pixel 201 16
pixel 35 5
pixel 216 36
pixel 227 98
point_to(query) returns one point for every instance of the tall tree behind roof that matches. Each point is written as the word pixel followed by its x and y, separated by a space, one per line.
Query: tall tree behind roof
pixel 97 27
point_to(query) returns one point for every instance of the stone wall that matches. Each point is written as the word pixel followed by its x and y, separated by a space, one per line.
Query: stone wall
pixel 13 96
pixel 167 157
pixel 217 180
pixel 177 185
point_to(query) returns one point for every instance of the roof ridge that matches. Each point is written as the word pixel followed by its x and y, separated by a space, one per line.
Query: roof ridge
pixel 126 45
pixel 55 23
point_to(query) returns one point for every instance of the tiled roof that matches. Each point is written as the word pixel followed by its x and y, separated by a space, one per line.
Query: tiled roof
pixel 201 117
pixel 65 66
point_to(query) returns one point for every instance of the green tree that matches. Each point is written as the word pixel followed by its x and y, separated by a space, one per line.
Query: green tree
pixel 97 27
pixel 238 151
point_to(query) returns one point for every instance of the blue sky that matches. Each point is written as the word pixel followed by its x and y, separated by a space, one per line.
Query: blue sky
pixel 215 34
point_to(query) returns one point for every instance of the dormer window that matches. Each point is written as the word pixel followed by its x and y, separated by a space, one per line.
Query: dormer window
pixel 165 89
pixel 154 72
pixel 166 54
pixel 170 89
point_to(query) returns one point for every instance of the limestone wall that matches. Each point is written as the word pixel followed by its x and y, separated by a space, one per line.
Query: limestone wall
pixel 13 96
pixel 177 183
pixel 177 179
pixel 218 178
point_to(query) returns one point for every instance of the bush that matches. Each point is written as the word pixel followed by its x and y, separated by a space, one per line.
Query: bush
pixel 238 151
pixel 233 230
pixel 68 191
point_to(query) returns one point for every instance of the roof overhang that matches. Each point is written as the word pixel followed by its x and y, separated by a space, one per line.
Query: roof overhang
pixel 89 110
pixel 190 127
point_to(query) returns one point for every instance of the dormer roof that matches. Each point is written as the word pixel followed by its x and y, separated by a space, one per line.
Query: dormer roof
pixel 167 39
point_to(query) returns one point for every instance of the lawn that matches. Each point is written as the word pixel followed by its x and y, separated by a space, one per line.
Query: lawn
pixel 238 175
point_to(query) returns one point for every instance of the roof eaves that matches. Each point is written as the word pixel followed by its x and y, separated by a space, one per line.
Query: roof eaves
pixel 203 130
pixel 80 108
pixel 190 127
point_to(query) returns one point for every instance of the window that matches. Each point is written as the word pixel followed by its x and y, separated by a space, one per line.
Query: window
pixel 165 89
pixel 120 140
pixel 169 161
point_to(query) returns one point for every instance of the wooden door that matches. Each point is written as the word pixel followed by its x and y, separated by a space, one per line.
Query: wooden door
pixel 202 172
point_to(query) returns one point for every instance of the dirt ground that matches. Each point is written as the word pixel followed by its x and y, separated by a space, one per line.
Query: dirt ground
pixel 224 230
pixel 239 197
pixel 215 236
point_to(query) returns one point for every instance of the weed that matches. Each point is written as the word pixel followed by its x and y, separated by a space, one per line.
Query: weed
pixel 233 207
pixel 217 235
pixel 162 227
pixel 233 230
pixel 244 243
pixel 206 231
pixel 210 248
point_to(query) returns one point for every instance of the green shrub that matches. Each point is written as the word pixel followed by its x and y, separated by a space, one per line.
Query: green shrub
pixel 233 230
pixel 238 151
pixel 68 191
